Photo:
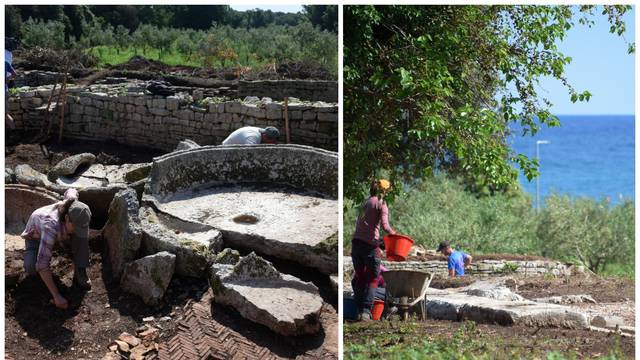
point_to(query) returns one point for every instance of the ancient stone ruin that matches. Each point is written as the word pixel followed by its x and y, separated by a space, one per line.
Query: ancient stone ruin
pixel 262 204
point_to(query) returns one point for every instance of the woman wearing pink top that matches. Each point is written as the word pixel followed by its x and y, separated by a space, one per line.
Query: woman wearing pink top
pixel 365 247
pixel 57 222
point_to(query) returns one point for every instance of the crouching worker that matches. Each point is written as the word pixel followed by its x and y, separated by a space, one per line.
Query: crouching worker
pixel 65 219
pixel 251 135
pixel 365 247
pixel 457 260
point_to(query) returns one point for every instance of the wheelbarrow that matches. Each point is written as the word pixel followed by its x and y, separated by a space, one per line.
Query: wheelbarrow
pixel 405 288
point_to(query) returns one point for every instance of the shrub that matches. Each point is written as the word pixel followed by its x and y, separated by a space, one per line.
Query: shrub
pixel 587 231
pixel 45 34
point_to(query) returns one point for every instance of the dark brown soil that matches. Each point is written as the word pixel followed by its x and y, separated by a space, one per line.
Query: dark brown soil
pixel 35 329
pixel 526 341
pixel 602 289
pixel 20 151
pixel 84 67
pixel 284 70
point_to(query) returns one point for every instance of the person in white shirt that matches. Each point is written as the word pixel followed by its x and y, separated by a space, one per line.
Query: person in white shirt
pixel 251 135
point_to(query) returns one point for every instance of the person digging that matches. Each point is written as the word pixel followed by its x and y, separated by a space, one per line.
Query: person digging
pixel 65 219
pixel 365 247
pixel 456 260
pixel 251 135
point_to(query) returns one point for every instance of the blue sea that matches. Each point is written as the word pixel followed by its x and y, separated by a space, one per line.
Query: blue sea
pixel 590 156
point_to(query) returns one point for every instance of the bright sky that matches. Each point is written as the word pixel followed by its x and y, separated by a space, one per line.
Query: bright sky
pixel 600 65
pixel 274 8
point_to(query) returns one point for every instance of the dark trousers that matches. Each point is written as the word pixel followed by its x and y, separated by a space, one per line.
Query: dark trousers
pixel 366 264
pixel 79 252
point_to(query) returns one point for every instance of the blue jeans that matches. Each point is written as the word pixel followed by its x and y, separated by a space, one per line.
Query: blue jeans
pixel 79 252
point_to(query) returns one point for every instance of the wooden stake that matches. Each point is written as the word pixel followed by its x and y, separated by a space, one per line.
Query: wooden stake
pixel 63 91
pixel 286 119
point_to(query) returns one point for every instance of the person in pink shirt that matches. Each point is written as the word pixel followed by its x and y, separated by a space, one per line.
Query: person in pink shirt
pixel 65 219
pixel 365 247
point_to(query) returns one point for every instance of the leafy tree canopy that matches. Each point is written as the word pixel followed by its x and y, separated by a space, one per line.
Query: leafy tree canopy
pixel 434 88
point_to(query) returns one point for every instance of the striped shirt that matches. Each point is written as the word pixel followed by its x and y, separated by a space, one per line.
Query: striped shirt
pixel 44 225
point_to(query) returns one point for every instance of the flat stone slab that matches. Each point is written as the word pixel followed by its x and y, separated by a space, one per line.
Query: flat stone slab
pixel 194 245
pixel 283 303
pixel 458 306
pixel 104 175
pixel 273 220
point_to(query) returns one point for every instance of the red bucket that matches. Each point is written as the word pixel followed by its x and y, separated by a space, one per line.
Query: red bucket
pixel 397 247
pixel 378 308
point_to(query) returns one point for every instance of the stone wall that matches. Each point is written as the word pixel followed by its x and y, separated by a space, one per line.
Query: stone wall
pixel 314 90
pixel 481 267
pixel 125 114
pixel 37 78
pixel 299 166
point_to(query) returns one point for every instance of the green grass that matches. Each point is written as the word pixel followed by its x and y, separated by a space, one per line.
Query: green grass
pixel 401 342
pixel 113 56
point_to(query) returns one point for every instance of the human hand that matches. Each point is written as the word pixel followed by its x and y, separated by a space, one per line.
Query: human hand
pixel 60 302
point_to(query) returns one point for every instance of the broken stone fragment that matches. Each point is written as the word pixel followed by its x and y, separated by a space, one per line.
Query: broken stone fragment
pixel 186 144
pixel 281 302
pixel 122 346
pixel 129 339
pixel 149 277
pixel 150 334
pixel 254 266
pixel 193 244
pixel 227 256
pixel 492 290
pixel 567 299
pixel 136 172
pixel 608 322
pixel 68 166
pixel 122 232
pixel 9 176
pixel 138 353
pixel 25 174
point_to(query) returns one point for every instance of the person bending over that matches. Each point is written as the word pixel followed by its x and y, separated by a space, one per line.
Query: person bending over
pixel 251 135
pixel 65 219
pixel 457 260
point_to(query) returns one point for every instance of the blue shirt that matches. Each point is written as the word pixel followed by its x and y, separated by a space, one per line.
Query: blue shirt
pixel 456 261
pixel 8 71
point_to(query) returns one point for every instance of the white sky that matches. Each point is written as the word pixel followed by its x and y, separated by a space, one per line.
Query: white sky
pixel 274 8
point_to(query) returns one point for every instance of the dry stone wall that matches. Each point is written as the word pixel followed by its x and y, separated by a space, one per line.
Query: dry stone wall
pixel 35 78
pixel 125 114
pixel 315 90
pixel 482 267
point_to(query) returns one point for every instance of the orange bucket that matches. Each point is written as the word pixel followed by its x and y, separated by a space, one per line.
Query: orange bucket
pixel 378 307
pixel 397 247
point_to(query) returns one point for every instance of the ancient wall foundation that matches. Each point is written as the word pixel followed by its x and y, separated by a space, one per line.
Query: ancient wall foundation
pixel 125 114
pixel 481 267
pixel 316 90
